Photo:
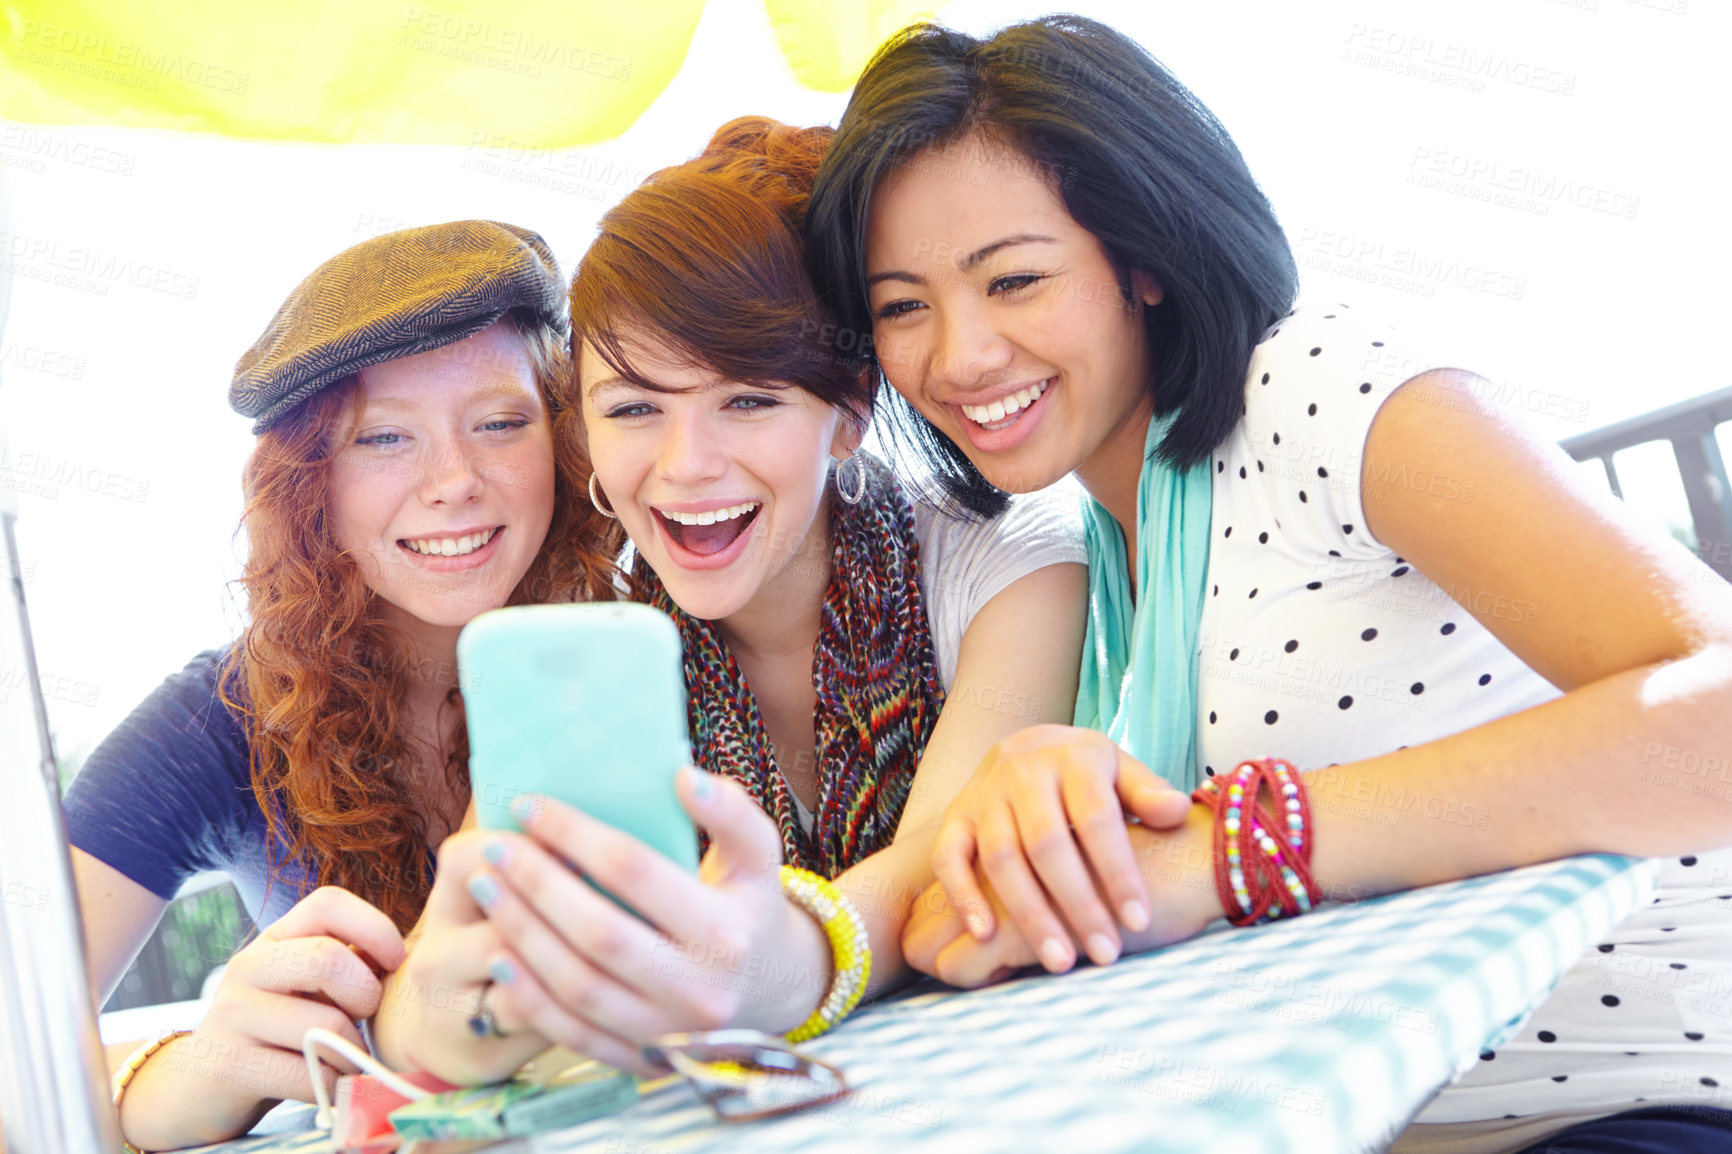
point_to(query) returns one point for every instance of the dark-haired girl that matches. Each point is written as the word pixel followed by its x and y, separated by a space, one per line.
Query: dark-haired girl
pixel 1308 538
pixel 850 653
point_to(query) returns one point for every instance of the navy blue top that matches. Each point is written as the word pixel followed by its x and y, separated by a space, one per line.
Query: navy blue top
pixel 169 794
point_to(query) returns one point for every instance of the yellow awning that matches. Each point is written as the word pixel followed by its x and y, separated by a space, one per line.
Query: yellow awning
pixel 535 73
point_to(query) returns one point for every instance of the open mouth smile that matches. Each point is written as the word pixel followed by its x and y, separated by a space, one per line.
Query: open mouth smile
pixel 708 540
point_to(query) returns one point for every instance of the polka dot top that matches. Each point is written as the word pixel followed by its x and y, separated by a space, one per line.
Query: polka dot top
pixel 1318 643
pixel 1321 645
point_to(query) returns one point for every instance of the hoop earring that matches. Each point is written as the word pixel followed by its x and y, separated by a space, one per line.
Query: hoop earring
pixel 595 499
pixel 851 487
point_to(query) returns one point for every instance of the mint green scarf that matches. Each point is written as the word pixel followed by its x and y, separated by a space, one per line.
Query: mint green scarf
pixel 1139 670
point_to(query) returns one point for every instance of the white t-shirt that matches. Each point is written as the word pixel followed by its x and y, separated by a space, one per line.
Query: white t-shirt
pixel 1321 646
pixel 965 563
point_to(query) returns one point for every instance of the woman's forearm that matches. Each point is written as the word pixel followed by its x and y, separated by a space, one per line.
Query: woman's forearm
pixel 1601 769
pixel 1637 763
pixel 883 888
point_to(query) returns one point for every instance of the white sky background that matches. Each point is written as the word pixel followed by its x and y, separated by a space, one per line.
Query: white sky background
pixel 1584 315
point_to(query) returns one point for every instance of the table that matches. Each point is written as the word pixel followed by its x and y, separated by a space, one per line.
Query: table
pixel 1325 1033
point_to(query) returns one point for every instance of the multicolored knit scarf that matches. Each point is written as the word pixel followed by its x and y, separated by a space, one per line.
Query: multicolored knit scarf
pixel 873 668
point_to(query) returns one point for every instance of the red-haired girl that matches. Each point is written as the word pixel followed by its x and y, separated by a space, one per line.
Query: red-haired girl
pixel 416 465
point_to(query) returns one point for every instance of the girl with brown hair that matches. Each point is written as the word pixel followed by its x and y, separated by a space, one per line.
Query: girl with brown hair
pixel 416 465
pixel 850 653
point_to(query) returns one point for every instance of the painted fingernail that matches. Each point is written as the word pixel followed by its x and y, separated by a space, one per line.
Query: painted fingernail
pixel 1102 951
pixel 484 890
pixel 703 785
pixel 523 807
pixel 494 853
pixel 1055 956
pixel 502 972
pixel 1134 916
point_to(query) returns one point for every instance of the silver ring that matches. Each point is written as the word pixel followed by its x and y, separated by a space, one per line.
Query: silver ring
pixel 481 1023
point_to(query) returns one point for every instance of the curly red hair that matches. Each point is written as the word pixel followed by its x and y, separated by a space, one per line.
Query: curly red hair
pixel 319 676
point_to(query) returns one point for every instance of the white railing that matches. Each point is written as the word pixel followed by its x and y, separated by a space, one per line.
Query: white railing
pixel 1689 427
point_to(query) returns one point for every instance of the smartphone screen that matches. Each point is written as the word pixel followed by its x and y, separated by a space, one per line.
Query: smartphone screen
pixel 584 703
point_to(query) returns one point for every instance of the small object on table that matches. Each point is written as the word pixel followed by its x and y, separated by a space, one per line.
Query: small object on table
pixel 361 1122
pixel 745 1075
pixel 519 1107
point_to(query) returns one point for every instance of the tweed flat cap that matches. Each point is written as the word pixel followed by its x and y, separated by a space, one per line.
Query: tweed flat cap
pixel 393 296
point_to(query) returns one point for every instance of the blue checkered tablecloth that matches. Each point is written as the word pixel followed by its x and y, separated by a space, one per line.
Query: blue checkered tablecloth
pixel 1322 1034
pixel 1326 1033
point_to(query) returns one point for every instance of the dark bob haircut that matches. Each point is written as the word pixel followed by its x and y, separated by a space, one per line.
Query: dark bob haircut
pixel 705 261
pixel 1138 161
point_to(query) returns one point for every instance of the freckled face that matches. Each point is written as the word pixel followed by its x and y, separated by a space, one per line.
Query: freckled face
pixel 1000 318
pixel 718 483
pixel 444 490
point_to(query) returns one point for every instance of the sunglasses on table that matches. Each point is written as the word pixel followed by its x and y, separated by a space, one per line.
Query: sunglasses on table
pixel 745 1075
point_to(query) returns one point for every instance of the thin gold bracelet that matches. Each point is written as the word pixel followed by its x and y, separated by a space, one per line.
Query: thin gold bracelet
pixel 850 946
pixel 123 1076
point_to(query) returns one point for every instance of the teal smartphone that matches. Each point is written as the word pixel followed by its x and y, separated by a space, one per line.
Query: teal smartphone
pixel 584 703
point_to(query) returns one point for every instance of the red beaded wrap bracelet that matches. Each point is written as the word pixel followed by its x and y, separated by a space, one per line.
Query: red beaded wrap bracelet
pixel 1266 798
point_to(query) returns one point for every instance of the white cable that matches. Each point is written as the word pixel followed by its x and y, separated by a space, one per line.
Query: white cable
pixel 336 1043
pixel 1631 1047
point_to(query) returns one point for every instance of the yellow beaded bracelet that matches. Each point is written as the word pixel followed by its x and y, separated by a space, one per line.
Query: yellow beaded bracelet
pixel 123 1076
pixel 849 945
